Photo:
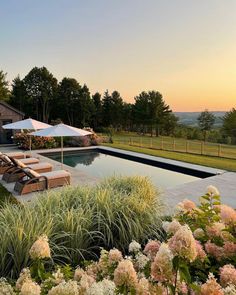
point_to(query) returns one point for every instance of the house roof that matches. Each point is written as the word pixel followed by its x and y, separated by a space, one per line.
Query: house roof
pixel 11 107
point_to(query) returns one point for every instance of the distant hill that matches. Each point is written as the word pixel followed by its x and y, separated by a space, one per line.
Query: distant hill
pixel 190 118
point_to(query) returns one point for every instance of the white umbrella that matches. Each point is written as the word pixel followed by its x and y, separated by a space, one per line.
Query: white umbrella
pixel 27 124
pixel 61 130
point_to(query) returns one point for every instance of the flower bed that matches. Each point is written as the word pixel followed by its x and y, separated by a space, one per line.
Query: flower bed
pixel 196 256
pixel 37 142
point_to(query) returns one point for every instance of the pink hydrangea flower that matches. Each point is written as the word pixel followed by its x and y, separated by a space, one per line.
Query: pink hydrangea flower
pixel 186 205
pixel 211 287
pixel 152 248
pixel 114 256
pixel 229 249
pixel 215 230
pixel 162 267
pixel 183 244
pixel 172 227
pixel 201 254
pixel 228 275
pixel 214 250
pixel 125 274
pixel 183 288
pixel 228 214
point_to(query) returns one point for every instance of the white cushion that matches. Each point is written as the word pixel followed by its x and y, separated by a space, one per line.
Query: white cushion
pixel 56 174
pixel 40 166
pixel 15 154
pixel 29 160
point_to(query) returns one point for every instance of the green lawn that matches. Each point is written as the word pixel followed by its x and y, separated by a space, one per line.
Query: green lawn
pixel 177 144
pixel 6 196
pixel 133 142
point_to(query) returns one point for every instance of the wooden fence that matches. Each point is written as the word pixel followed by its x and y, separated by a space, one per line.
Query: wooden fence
pixel 181 145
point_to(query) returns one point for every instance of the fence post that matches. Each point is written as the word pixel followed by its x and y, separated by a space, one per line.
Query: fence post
pixel 219 150
pixel 186 146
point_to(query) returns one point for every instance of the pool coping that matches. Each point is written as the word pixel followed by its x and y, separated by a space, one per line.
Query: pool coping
pixel 173 165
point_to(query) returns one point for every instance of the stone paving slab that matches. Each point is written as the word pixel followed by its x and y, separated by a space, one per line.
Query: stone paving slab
pixel 226 184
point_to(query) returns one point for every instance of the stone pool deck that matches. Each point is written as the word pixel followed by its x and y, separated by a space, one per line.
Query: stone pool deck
pixel 225 181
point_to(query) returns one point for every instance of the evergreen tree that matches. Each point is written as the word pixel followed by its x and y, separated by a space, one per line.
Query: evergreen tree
pixel 4 91
pixel 97 116
pixel 229 124
pixel 19 98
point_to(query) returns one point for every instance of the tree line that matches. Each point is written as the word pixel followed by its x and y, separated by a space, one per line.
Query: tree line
pixel 41 96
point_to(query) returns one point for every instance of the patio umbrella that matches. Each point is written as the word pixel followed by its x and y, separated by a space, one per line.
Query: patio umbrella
pixel 61 130
pixel 28 124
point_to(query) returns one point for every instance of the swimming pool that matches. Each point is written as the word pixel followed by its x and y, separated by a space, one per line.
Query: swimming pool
pixel 99 164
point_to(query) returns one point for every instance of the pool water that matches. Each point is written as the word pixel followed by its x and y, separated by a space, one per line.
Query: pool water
pixel 100 165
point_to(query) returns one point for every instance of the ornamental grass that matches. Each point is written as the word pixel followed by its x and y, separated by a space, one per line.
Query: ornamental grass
pixel 80 220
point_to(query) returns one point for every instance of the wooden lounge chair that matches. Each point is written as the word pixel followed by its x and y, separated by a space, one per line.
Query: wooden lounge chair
pixel 33 181
pixel 6 162
pixel 12 174
pixel 15 155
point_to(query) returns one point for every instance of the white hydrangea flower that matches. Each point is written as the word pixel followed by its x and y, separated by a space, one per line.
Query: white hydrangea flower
pixel 199 233
pixel 104 287
pixel 58 276
pixel 134 247
pixel 79 272
pixel 30 288
pixel 171 227
pixel 65 288
pixel 24 276
pixel 212 191
pixel 40 248
pixel 141 260
pixel 5 288
pixel 165 225
pixel 86 282
pixel 230 290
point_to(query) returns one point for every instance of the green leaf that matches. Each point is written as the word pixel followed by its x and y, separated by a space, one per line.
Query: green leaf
pixel 184 273
pixel 175 262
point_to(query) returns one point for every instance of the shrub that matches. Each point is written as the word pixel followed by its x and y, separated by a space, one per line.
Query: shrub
pixel 79 220
pixel 82 141
pixel 37 142
pixel 174 266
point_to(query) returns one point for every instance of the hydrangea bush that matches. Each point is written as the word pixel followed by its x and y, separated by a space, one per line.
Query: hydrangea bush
pixel 197 256
pixel 22 139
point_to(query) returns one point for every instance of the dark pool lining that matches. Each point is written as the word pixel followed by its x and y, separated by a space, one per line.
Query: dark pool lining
pixel 140 159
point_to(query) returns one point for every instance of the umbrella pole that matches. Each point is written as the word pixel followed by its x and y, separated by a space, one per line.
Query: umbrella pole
pixel 62 152
pixel 30 144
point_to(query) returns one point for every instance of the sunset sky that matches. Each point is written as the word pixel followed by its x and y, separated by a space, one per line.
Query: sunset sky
pixel 186 49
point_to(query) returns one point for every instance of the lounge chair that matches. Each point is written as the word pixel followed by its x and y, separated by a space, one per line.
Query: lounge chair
pixel 15 155
pixel 33 181
pixel 12 174
pixel 6 162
